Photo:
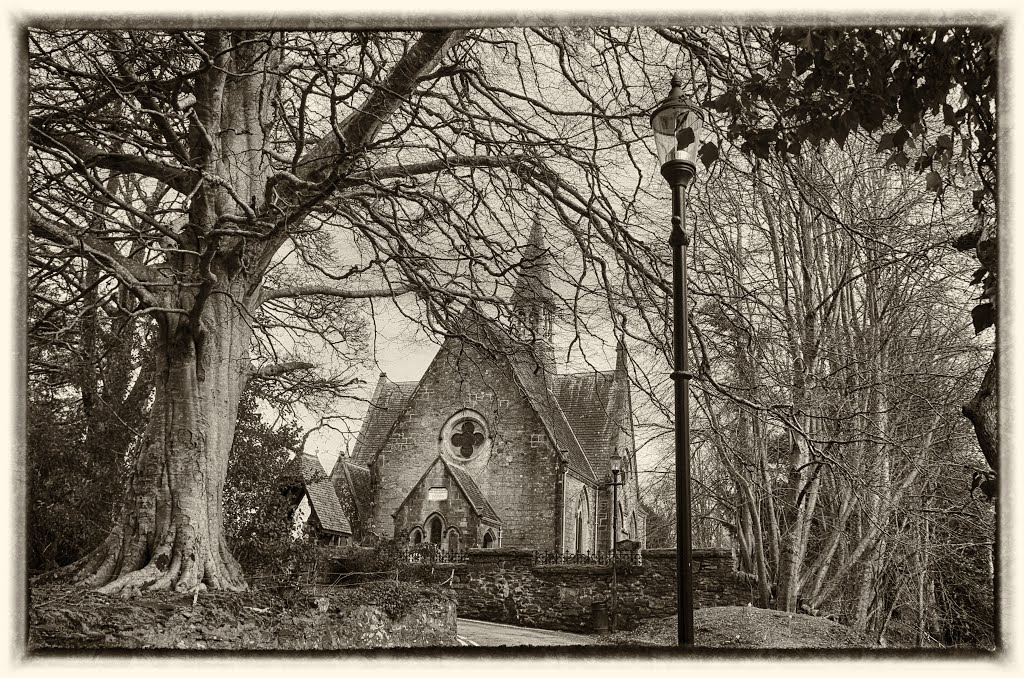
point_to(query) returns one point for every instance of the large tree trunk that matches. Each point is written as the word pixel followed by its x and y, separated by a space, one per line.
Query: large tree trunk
pixel 170 535
pixel 983 408
pixel 219 129
pixel 983 411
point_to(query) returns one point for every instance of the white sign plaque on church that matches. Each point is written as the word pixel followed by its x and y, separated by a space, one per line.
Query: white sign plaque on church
pixel 437 494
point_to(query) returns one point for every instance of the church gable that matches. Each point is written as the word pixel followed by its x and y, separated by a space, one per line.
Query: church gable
pixel 446 508
pixel 490 408
pixel 470 410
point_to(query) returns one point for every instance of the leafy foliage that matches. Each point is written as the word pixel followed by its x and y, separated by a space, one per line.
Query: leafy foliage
pixel 261 492
pixel 89 382
pixel 67 514
pixel 824 84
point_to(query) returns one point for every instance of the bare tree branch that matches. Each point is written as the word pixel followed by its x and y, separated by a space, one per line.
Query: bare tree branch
pixel 270 371
pixel 442 164
pixel 180 179
pixel 328 291
pixel 134 275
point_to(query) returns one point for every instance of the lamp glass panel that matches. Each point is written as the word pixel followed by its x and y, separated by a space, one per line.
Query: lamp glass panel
pixel 664 125
pixel 677 132
pixel 687 141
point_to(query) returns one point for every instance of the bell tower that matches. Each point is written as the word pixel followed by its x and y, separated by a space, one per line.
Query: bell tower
pixel 533 303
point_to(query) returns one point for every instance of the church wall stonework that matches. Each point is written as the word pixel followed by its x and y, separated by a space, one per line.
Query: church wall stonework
pixel 517 469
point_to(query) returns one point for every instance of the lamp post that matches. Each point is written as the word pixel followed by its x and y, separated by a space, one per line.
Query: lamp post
pixel 616 466
pixel 677 124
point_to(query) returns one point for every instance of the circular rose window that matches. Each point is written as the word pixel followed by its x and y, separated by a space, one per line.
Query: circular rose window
pixel 467 438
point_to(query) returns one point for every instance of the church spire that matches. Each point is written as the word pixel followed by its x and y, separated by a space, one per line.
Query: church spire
pixel 533 302
pixel 620 358
pixel 534 285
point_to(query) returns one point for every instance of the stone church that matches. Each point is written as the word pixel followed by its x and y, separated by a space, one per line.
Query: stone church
pixel 491 447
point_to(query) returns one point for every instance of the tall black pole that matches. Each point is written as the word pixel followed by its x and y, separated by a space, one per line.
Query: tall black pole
pixel 615 549
pixel 678 174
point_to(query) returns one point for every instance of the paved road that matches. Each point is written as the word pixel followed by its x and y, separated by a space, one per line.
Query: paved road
pixel 496 635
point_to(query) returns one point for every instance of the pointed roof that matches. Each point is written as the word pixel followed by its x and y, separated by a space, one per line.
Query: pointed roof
pixel 323 500
pixel 621 364
pixel 473 494
pixel 387 404
pixel 534 284
pixel 470 490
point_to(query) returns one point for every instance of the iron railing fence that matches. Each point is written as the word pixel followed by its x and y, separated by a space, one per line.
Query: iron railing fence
pixel 432 553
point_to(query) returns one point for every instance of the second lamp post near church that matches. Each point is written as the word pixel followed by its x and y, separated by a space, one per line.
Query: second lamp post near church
pixel 616 466
pixel 677 125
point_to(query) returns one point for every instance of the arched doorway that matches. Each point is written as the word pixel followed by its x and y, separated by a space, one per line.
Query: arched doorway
pixel 416 536
pixel 489 540
pixel 434 529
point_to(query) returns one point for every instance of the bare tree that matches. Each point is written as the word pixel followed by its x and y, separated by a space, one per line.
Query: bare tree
pixel 243 186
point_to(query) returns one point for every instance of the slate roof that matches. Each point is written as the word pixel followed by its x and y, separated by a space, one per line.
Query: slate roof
pixel 472 492
pixel 322 497
pixel 588 400
pixel 535 385
pixel 386 405
pixel 355 480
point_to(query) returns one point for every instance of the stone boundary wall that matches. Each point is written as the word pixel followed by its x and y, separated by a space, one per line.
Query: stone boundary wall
pixel 507 586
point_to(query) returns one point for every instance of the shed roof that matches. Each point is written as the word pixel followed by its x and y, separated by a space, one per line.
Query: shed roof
pixel 322 497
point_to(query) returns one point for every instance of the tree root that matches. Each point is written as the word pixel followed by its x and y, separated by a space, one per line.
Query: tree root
pixel 122 569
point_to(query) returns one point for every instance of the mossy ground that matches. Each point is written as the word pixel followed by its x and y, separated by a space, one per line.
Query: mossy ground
pixel 283 618
pixel 746 627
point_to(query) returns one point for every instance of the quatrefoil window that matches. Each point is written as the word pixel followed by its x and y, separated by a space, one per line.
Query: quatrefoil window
pixel 467 438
